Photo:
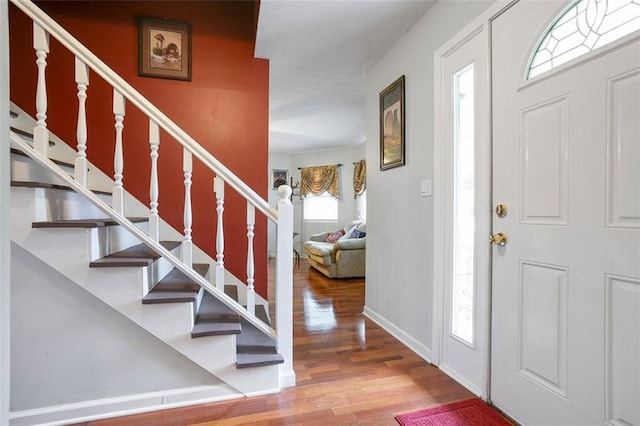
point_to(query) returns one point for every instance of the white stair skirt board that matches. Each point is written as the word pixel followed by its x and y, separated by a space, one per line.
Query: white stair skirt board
pixel 123 289
pixel 123 406
pixel 420 349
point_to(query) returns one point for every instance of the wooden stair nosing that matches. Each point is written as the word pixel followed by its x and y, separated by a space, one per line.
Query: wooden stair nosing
pixel 258 360
pixel 138 255
pixel 84 223
pixel 33 184
pixel 176 287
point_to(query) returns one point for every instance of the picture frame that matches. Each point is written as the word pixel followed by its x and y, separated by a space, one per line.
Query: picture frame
pixel 392 118
pixel 279 177
pixel 164 49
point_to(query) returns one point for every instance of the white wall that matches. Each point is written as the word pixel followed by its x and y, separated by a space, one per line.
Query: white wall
pixel 347 206
pixel 68 347
pixel 281 162
pixel 399 287
pixel 4 215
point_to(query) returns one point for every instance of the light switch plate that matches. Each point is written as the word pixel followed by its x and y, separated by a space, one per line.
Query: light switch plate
pixel 425 187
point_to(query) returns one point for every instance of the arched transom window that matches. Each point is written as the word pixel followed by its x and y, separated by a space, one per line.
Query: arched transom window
pixel 583 26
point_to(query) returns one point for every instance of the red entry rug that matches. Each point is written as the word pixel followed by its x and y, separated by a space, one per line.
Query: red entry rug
pixel 462 413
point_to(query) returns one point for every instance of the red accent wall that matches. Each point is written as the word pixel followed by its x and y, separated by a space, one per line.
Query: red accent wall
pixel 224 107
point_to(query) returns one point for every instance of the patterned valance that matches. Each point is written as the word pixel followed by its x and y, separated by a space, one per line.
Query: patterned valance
pixel 359 178
pixel 316 180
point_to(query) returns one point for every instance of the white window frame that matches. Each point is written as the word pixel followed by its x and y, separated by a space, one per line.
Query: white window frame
pixel 325 197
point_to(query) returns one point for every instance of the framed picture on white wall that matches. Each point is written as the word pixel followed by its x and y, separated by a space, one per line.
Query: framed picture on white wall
pixel 279 177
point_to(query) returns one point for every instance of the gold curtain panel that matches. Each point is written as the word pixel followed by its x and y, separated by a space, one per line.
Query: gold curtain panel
pixel 316 180
pixel 359 178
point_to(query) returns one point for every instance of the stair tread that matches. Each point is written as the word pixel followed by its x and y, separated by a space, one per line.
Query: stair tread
pixel 33 184
pixel 138 255
pixel 83 223
pixel 252 340
pixel 231 291
pixel 215 318
pixel 176 287
pixel 258 360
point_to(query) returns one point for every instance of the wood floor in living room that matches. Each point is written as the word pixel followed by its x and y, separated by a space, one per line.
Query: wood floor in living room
pixel 349 370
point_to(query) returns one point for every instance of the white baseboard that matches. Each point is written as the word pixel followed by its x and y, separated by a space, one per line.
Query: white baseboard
pixel 122 406
pixel 417 347
pixel 460 379
pixel 287 379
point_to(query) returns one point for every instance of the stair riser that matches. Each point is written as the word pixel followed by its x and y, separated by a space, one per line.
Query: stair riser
pixel 111 239
pixel 122 291
pixel 24 169
pixel 160 268
pixel 102 241
pixel 58 204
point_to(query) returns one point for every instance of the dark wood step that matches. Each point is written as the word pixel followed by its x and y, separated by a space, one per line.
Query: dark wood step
pixel 138 255
pixel 176 287
pixel 253 347
pixel 215 318
pixel 258 360
pixel 253 340
pixel 84 223
pixel 231 291
pixel 30 184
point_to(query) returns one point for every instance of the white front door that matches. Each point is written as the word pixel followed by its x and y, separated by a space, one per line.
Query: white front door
pixel 566 286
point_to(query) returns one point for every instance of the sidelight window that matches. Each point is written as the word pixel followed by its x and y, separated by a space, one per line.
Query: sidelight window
pixel 462 309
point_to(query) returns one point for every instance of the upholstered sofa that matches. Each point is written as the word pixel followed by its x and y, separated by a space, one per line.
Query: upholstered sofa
pixel 339 254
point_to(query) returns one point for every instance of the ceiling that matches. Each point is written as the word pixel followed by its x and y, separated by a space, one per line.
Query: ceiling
pixel 319 52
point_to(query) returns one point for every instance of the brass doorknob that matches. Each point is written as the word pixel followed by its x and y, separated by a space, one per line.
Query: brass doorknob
pixel 499 239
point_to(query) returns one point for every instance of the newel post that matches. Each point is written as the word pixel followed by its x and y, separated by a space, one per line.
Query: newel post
pixel 284 286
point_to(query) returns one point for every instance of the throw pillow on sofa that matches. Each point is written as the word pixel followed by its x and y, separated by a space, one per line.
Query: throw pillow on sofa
pixel 356 233
pixel 332 237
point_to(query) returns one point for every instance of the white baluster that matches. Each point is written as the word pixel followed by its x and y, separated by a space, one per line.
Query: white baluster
pixel 118 158
pixel 154 222
pixel 187 245
pixel 82 81
pixel 218 186
pixel 40 132
pixel 251 293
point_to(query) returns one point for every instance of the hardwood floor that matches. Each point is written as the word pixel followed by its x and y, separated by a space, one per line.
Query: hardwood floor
pixel 349 370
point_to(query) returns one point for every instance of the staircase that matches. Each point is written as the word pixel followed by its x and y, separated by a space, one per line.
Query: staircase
pixel 68 215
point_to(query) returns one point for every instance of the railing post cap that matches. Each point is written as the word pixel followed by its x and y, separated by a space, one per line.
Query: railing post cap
pixel 284 191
